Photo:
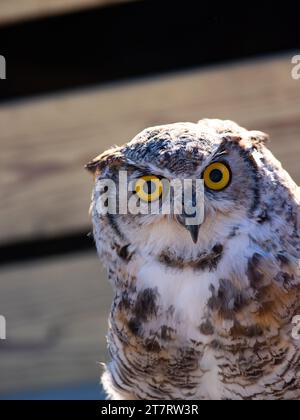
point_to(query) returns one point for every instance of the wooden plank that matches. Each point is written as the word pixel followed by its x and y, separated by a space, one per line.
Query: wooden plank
pixel 14 10
pixel 46 142
pixel 56 314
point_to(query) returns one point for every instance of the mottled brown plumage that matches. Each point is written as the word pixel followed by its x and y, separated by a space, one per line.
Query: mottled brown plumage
pixel 211 320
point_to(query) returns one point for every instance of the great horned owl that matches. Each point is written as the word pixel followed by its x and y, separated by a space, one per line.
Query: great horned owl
pixel 203 312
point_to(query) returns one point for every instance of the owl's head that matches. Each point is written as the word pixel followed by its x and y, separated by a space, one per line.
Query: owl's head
pixel 231 162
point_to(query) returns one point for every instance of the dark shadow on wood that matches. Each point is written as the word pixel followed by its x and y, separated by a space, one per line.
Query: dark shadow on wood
pixel 136 39
pixel 41 248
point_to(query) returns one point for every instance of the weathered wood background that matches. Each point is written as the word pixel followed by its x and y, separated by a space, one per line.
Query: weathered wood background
pixel 56 310
pixel 46 142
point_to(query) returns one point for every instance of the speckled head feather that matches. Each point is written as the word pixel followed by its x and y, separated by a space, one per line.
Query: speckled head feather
pixel 211 319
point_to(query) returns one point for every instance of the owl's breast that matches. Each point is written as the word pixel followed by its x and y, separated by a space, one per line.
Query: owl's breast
pixel 200 331
pixel 160 333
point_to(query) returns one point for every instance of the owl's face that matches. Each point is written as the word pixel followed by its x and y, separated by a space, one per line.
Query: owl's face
pixel 225 157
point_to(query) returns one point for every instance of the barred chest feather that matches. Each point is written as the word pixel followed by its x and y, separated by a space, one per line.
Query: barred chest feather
pixel 215 325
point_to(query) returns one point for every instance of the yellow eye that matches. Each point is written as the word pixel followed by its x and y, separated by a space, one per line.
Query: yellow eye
pixel 149 188
pixel 217 176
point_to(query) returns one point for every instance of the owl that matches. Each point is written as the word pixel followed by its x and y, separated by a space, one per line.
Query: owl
pixel 201 311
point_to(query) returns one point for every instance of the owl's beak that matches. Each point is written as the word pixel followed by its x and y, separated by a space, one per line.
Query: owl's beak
pixel 192 217
pixel 193 229
pixel 194 232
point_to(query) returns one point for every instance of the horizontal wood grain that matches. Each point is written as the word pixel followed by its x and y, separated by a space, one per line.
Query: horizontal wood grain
pixel 13 10
pixel 46 142
pixel 56 314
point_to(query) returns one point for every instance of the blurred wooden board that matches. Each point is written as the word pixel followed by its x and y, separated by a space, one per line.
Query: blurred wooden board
pixel 13 10
pixel 46 142
pixel 56 314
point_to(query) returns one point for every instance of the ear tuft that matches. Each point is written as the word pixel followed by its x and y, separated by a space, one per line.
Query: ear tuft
pixel 112 157
pixel 258 137
pixel 92 165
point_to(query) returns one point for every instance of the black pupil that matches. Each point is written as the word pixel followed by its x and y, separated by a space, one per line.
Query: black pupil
pixel 149 187
pixel 216 175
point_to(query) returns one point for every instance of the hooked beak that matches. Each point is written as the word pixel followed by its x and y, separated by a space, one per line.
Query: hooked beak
pixel 192 228
pixel 194 232
pixel 192 217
